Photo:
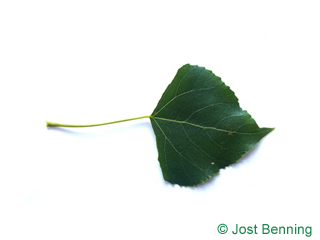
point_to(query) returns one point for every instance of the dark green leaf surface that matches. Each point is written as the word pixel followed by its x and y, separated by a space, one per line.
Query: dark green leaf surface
pixel 200 127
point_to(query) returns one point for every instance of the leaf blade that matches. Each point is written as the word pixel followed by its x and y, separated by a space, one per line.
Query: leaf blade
pixel 200 127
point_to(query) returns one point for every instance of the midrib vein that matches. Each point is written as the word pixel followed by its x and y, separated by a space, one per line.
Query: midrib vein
pixel 199 126
pixel 191 124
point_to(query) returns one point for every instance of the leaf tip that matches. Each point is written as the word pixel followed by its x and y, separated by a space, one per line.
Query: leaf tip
pixel 271 129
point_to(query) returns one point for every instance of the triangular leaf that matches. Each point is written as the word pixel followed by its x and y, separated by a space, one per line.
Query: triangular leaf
pixel 200 127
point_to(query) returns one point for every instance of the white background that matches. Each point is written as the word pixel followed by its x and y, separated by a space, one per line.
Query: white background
pixel 84 62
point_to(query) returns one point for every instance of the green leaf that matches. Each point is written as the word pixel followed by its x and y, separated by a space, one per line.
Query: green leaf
pixel 200 127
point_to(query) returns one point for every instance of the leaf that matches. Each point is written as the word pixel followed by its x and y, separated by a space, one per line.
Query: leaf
pixel 200 127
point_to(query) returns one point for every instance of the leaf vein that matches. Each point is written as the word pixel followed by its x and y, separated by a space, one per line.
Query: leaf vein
pixel 200 109
pixel 181 80
pixel 204 127
pixel 188 160
pixel 231 116
pixel 181 94
pixel 197 146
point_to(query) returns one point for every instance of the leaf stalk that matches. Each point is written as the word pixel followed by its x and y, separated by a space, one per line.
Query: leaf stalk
pixel 53 124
